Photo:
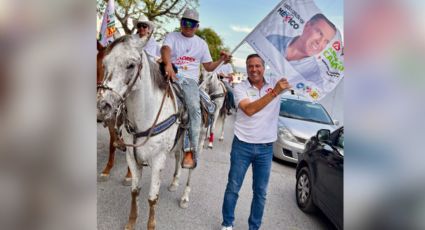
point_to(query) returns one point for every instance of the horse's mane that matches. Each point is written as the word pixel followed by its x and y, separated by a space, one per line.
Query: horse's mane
pixel 154 67
pixel 157 75
pixel 117 41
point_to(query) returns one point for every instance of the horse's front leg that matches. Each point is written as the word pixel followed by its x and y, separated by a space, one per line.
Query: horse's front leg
pixel 177 170
pixel 202 136
pixel 127 179
pixel 135 189
pixel 104 176
pixel 216 117
pixel 184 201
pixel 157 166
pixel 223 119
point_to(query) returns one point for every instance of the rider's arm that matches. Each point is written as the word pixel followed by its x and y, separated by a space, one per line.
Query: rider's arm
pixel 211 66
pixel 166 58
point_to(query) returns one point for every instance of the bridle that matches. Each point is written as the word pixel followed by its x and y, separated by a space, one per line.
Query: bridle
pixel 122 98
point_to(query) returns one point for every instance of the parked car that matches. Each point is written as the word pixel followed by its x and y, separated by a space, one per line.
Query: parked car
pixel 319 175
pixel 299 119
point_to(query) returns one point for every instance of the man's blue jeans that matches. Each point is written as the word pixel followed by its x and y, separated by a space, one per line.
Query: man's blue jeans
pixel 191 97
pixel 242 155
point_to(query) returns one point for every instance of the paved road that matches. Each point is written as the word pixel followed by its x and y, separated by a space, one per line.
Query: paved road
pixel 208 185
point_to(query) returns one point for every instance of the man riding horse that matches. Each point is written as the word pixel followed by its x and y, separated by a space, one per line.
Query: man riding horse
pixel 187 51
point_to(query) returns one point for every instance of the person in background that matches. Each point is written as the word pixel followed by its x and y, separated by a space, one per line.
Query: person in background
pixel 225 73
pixel 145 29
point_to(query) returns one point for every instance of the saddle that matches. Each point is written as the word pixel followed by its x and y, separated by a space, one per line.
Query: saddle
pixel 207 107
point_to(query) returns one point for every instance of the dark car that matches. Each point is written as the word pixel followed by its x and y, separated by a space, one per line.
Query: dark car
pixel 319 175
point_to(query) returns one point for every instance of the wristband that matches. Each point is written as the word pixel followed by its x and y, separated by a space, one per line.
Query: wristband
pixel 273 93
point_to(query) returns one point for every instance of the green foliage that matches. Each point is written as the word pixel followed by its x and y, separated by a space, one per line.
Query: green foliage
pixel 160 12
pixel 215 43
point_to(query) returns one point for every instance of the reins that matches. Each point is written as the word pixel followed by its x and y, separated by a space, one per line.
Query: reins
pixel 167 91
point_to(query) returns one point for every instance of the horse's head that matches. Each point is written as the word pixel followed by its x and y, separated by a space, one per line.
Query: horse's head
pixel 211 83
pixel 122 64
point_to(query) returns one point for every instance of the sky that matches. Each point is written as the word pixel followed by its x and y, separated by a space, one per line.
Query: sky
pixel 234 19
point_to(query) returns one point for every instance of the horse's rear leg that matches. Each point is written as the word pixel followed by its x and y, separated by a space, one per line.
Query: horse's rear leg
pixel 177 171
pixel 223 119
pixel 184 202
pixel 104 176
pixel 135 189
pixel 157 166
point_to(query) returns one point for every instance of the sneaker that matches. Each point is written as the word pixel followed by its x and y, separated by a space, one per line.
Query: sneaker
pixel 226 228
pixel 188 161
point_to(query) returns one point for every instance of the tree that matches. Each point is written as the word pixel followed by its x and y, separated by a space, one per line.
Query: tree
pixel 215 44
pixel 159 12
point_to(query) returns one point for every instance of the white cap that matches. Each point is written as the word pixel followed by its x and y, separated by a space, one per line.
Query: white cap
pixel 191 14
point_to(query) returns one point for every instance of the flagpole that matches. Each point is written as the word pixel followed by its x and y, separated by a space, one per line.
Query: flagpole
pixel 234 50
pixel 237 47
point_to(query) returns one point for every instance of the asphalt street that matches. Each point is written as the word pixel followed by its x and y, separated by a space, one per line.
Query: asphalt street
pixel 208 185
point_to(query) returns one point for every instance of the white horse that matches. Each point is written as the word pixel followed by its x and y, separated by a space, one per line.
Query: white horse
pixel 134 81
pixel 217 91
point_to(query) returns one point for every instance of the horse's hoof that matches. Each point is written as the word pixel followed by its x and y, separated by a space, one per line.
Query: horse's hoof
pixel 126 181
pixel 103 177
pixel 151 226
pixel 129 227
pixel 172 187
pixel 184 204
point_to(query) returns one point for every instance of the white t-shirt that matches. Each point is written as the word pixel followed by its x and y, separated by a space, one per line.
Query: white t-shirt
pixel 152 48
pixel 261 127
pixel 187 54
pixel 225 69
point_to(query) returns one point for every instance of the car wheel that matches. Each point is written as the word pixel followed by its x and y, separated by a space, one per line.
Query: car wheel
pixel 304 191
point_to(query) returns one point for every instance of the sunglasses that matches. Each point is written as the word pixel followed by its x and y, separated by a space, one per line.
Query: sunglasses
pixel 189 23
pixel 142 25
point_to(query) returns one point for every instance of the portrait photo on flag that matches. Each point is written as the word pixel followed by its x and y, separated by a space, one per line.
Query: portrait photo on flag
pixel 299 42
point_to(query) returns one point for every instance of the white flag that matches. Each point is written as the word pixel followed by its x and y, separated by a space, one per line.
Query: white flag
pixel 108 29
pixel 297 41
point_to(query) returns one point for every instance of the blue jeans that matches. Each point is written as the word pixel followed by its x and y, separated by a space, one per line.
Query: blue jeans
pixel 191 97
pixel 242 155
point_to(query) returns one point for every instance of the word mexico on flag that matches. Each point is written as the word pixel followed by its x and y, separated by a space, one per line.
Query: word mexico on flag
pixel 299 42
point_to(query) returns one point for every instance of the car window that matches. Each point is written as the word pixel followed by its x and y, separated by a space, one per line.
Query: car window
pixel 304 110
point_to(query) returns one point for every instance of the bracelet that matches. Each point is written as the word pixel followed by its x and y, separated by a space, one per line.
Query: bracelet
pixel 273 93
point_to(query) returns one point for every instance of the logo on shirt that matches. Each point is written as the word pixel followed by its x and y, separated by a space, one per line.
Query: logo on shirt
pixel 252 93
pixel 184 60
pixel 269 90
pixel 337 45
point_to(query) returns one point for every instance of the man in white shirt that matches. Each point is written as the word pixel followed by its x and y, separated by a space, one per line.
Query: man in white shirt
pixel 225 72
pixel 255 131
pixel 187 51
pixel 145 29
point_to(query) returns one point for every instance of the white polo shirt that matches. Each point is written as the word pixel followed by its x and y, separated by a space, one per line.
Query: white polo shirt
pixel 261 127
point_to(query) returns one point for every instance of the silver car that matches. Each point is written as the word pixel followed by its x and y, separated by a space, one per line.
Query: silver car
pixel 299 119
